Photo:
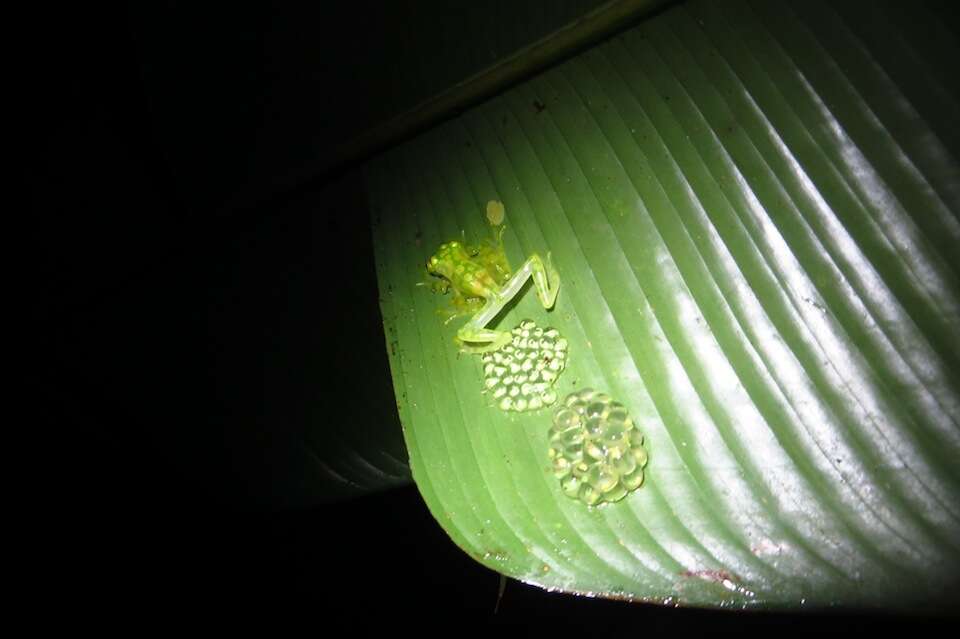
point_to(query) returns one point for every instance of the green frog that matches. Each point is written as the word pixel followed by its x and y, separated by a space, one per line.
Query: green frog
pixel 482 284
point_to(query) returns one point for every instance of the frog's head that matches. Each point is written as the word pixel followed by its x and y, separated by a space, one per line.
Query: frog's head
pixel 444 261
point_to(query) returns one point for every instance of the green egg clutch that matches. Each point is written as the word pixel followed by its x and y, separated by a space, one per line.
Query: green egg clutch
pixel 597 452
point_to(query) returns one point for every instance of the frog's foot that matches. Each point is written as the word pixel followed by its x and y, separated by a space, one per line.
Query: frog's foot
pixel 483 341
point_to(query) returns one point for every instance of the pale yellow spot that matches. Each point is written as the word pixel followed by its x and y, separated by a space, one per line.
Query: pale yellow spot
pixel 495 212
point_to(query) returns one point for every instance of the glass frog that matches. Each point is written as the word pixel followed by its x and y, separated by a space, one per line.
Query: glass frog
pixel 482 284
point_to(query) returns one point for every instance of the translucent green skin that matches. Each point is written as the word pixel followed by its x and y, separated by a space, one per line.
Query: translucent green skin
pixel 480 278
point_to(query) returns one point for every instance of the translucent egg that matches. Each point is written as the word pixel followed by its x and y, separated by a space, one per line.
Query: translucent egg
pixel 596 451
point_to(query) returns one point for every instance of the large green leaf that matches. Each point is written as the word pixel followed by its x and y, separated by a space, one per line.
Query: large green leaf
pixel 754 213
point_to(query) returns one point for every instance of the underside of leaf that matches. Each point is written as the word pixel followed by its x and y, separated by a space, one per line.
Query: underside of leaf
pixel 753 211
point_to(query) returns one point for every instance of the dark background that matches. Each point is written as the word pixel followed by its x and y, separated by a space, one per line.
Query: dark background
pixel 162 310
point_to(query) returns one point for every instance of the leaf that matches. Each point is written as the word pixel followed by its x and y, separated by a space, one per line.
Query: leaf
pixel 754 212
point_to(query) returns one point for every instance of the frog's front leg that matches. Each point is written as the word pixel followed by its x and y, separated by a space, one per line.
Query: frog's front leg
pixel 474 337
pixel 460 306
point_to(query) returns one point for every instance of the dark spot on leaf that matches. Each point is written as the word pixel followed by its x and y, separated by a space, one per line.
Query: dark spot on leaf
pixel 710 575
pixel 539 106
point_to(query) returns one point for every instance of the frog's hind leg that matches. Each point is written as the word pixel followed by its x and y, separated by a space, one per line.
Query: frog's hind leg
pixel 545 278
pixel 474 337
pixel 547 282
pixel 483 341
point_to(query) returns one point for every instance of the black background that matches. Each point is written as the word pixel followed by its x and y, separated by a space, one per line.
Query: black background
pixel 149 306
